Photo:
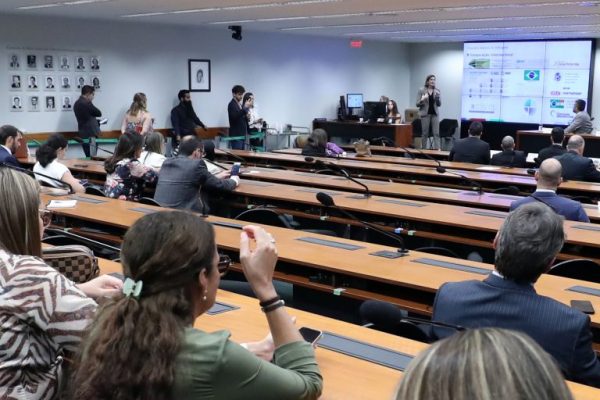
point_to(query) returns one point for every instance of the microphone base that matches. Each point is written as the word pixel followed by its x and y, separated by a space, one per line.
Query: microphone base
pixel 390 254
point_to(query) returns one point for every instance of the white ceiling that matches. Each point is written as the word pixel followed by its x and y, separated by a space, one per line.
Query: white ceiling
pixel 394 20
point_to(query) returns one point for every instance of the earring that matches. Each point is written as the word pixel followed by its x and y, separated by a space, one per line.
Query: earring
pixel 204 297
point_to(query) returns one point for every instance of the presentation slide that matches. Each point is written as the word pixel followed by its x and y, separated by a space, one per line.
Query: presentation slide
pixel 528 82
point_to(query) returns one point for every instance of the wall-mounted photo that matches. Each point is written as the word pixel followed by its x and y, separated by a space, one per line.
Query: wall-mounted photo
pixel 50 103
pixel 199 75
pixel 65 65
pixel 15 82
pixel 14 62
pixel 48 61
pixel 49 83
pixel 33 103
pixel 65 83
pixel 96 82
pixel 80 81
pixel 16 103
pixel 31 61
pixel 95 63
pixel 67 103
pixel 33 82
pixel 80 64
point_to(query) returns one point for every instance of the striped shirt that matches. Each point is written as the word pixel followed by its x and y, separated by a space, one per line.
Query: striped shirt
pixel 42 315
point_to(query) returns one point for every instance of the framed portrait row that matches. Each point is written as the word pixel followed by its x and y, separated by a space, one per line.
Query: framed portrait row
pixel 45 82
pixel 42 61
pixel 44 102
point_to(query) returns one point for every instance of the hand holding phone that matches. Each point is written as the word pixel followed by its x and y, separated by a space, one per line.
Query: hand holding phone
pixel 235 170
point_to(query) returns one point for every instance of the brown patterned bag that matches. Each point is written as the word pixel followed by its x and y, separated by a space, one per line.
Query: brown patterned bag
pixel 362 148
pixel 76 262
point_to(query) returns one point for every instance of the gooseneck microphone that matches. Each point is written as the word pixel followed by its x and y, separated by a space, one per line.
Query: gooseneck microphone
pixel 240 159
pixel 33 175
pixel 340 171
pixel 327 201
pixel 476 186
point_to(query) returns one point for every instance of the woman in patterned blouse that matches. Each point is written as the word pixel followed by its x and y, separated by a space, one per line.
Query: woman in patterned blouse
pixel 42 313
pixel 126 176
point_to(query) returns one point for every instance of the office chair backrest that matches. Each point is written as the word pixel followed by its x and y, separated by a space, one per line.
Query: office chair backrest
pixel 416 128
pixel 264 216
pixel 582 269
pixel 448 127
pixel 95 191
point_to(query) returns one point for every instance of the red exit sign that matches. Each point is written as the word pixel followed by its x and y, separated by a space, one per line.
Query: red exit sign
pixel 357 44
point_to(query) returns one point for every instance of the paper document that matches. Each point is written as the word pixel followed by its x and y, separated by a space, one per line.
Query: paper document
pixel 62 204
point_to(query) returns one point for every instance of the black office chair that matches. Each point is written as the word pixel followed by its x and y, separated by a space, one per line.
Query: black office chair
pixel 448 129
pixel 582 269
pixel 387 317
pixel 149 201
pixel 510 190
pixel 265 216
pixel 95 191
pixel 440 251
pixel 581 199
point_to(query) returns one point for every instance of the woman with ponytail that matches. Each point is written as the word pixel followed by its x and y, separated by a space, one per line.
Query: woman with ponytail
pixel 47 163
pixel 137 119
pixel 142 345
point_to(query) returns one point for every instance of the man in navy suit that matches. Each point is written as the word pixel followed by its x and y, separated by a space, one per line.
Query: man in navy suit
pixel 555 149
pixel 548 178
pixel 10 141
pixel 526 246
pixel 471 149
pixel 238 122
pixel 509 157
pixel 575 166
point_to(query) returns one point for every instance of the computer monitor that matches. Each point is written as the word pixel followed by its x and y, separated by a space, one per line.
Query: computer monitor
pixel 374 110
pixel 354 100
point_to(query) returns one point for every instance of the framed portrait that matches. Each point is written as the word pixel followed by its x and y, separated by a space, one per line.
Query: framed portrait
pixel 33 82
pixel 14 82
pixel 48 61
pixel 65 64
pixel 94 63
pixel 50 103
pixel 199 75
pixel 67 103
pixel 16 103
pixel 49 83
pixel 33 103
pixel 65 82
pixel 31 61
pixel 95 82
pixel 14 62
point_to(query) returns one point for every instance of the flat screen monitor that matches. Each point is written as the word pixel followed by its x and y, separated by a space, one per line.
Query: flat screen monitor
pixel 374 110
pixel 354 100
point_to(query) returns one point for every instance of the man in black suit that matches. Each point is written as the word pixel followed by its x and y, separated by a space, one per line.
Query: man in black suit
pixel 471 149
pixel 86 114
pixel 509 157
pixel 182 178
pixel 238 122
pixel 183 116
pixel 555 149
pixel 526 246
pixel 10 141
pixel 575 166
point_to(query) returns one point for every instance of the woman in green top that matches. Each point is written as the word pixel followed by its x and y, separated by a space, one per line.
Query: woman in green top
pixel 142 344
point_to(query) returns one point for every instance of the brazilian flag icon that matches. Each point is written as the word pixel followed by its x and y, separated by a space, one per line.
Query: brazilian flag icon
pixel 531 75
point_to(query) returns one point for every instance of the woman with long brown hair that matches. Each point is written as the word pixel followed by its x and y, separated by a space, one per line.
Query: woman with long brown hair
pixel 137 119
pixel 142 345
pixel 43 313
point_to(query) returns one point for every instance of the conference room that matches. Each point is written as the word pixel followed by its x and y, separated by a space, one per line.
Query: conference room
pixel 399 224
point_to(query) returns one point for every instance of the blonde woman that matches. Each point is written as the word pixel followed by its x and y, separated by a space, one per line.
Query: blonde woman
pixel 137 118
pixel 487 363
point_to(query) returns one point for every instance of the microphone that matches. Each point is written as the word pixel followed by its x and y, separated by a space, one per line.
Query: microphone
pixel 476 185
pixel 341 171
pixel 33 175
pixel 327 201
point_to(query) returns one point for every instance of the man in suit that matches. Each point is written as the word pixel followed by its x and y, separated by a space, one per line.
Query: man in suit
pixel 10 141
pixel 548 178
pixel 238 122
pixel 509 157
pixel 86 114
pixel 582 122
pixel 575 166
pixel 471 149
pixel 526 246
pixel 183 116
pixel 182 178
pixel 555 149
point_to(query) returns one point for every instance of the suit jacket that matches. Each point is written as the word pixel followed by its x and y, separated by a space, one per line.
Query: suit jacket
pixel 238 123
pixel 424 105
pixel 570 209
pixel 511 158
pixel 578 168
pixel 497 302
pixel 180 181
pixel 471 149
pixel 548 152
pixel 582 123
pixel 7 157
pixel 184 124
pixel 86 114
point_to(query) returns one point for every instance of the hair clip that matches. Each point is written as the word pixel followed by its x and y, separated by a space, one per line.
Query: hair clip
pixel 132 288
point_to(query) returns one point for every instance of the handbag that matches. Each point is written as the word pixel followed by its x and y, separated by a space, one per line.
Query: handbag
pixel 362 148
pixel 76 262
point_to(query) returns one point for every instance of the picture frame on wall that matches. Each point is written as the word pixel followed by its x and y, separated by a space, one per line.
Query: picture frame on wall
pixel 199 75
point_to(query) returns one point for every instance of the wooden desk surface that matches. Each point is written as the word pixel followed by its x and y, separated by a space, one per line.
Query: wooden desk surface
pixel 422 162
pixel 345 377
pixel 439 154
pixel 360 263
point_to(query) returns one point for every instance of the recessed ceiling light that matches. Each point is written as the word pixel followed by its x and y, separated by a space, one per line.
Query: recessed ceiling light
pixel 62 3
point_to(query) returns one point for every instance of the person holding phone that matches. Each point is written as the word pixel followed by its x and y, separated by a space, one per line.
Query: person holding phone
pixel 429 101
pixel 143 343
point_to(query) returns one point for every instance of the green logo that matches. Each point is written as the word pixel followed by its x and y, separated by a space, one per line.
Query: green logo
pixel 531 75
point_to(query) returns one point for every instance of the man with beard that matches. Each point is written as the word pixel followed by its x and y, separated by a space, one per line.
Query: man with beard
pixel 10 141
pixel 184 118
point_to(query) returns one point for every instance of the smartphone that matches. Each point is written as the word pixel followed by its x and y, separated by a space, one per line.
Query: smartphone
pixel 312 336
pixel 235 170
pixel 584 306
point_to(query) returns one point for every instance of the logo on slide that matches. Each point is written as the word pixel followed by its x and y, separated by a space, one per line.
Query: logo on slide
pixel 531 75
pixel 557 77
pixel 557 103
pixel 529 107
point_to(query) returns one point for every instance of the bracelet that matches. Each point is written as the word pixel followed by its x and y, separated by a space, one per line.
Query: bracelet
pixel 273 307
pixel 267 303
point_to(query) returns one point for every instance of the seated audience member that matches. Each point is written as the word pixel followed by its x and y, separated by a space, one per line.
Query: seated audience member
pixel 43 313
pixel 126 176
pixel 548 179
pixel 209 157
pixel 575 166
pixel 47 163
pixel 483 363
pixel 318 146
pixel 509 157
pixel 143 344
pixel 526 246
pixel 582 123
pixel 152 156
pixel 555 149
pixel 137 119
pixel 10 141
pixel 181 179
pixel 393 116
pixel 471 149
